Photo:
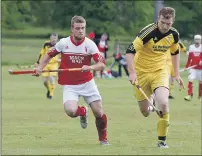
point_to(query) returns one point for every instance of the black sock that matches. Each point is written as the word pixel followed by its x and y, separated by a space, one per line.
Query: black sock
pixel 162 138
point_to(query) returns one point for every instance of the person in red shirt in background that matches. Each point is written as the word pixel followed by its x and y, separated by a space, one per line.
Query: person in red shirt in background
pixel 194 58
pixel 76 52
pixel 91 35
pixel 103 47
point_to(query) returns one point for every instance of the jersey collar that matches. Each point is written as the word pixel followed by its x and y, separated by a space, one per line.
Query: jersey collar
pixel 76 43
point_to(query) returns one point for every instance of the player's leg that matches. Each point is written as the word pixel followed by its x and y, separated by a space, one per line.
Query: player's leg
pixel 100 121
pixel 71 103
pixel 52 79
pixel 46 82
pixel 120 70
pixel 52 85
pixel 144 82
pixel 160 87
pixel 145 107
pixel 93 98
pixel 161 101
pixel 191 78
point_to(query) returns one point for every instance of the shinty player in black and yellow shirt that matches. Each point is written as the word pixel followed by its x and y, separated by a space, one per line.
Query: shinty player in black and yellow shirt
pixel 49 78
pixel 146 60
pixel 182 48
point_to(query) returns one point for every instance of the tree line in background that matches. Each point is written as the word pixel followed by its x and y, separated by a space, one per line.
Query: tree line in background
pixel 115 17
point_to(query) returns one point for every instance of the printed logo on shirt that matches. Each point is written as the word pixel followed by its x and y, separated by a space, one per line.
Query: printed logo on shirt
pixel 76 59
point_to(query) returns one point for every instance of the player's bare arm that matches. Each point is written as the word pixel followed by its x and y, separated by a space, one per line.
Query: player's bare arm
pixel 130 54
pixel 96 67
pixel 175 62
pixel 44 61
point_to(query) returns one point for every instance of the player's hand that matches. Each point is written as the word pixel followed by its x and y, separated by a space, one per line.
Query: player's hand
pixel 180 81
pixel 200 63
pixel 132 78
pixel 37 71
pixel 86 68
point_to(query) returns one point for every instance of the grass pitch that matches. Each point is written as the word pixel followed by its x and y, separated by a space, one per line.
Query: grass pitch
pixel 34 125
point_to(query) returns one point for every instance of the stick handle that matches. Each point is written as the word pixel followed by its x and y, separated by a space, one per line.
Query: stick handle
pixel 140 89
pixel 18 72
pixel 185 69
pixel 21 72
pixel 151 104
pixel 61 70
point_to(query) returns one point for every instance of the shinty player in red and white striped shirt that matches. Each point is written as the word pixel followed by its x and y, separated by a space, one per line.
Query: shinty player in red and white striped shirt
pixel 194 58
pixel 76 52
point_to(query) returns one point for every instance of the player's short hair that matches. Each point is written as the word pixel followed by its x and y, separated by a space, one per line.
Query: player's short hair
pixel 77 19
pixel 167 12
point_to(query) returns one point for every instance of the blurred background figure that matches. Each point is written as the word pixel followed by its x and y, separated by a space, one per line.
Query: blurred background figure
pixel 91 35
pixel 102 45
pixel 194 58
pixel 49 78
pixel 121 59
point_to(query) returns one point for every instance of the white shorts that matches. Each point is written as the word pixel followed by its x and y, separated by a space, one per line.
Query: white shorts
pixel 195 74
pixel 88 91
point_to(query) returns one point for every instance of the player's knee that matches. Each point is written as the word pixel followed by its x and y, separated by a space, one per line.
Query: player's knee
pixel 98 114
pixel 70 111
pixel 45 82
pixel 52 79
pixel 145 113
pixel 96 107
pixel 164 108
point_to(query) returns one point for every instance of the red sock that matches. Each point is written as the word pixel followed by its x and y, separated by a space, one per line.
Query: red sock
pixel 81 111
pixel 190 92
pixel 200 89
pixel 101 124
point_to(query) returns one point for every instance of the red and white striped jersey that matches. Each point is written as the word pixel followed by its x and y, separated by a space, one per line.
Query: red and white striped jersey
pixel 102 45
pixel 75 55
pixel 195 56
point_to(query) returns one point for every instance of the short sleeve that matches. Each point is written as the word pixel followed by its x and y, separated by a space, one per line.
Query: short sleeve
pixel 174 49
pixel 138 44
pixel 93 48
pixel 58 46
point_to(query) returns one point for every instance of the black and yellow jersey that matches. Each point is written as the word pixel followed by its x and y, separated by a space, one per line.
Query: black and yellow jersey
pixel 46 47
pixel 182 47
pixel 151 48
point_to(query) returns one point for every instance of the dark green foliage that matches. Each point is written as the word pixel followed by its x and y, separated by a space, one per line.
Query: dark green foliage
pixel 116 17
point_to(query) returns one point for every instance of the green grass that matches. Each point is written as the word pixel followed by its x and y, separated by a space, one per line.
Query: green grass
pixel 32 32
pixel 21 51
pixel 33 125
pixel 26 51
